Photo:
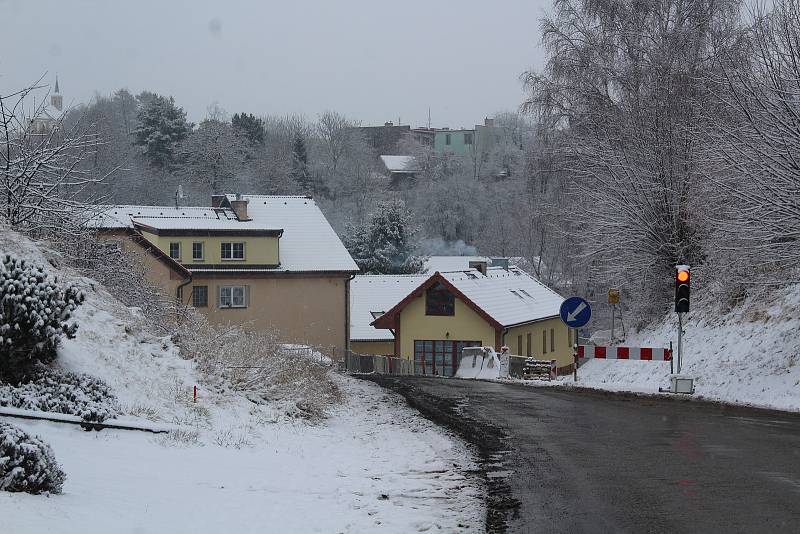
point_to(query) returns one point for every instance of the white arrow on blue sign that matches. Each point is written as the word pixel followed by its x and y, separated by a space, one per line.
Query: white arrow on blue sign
pixel 575 312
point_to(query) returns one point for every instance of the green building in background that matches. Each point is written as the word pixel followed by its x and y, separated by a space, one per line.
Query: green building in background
pixel 454 141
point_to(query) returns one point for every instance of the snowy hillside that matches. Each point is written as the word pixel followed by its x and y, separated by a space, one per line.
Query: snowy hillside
pixel 749 355
pixel 232 465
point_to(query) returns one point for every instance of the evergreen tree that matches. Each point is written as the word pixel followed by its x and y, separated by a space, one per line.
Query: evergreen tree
pixel 300 164
pixel 161 126
pixel 385 243
pixel 249 126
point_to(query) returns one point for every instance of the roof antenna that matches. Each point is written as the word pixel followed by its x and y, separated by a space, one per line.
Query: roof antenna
pixel 179 196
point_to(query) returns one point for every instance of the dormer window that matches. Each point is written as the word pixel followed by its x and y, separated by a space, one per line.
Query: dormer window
pixel 232 251
pixel 439 301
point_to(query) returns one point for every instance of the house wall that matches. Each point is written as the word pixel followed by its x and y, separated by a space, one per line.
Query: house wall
pixel 257 250
pixel 158 273
pixel 456 146
pixel 303 309
pixel 379 348
pixel 563 348
pixel 464 325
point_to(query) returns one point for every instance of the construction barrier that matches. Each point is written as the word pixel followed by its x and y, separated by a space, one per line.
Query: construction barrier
pixel 384 365
pixel 624 353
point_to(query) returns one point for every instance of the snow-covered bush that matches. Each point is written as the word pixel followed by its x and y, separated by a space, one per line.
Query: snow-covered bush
pixel 35 311
pixel 258 364
pixel 51 390
pixel 27 463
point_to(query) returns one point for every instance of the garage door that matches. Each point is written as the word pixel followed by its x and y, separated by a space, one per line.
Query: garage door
pixel 439 357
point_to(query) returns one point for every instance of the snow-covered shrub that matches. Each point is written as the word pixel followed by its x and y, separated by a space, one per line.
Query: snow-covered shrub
pixel 27 463
pixel 35 311
pixel 258 364
pixel 51 390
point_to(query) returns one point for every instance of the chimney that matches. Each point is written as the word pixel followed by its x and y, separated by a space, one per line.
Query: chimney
pixel 500 262
pixel 488 122
pixel 239 207
pixel 216 201
pixel 479 266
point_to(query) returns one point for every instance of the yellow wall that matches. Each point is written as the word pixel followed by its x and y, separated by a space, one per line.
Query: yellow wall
pixel 257 250
pixel 307 310
pixel 465 325
pixel 563 349
pixel 380 348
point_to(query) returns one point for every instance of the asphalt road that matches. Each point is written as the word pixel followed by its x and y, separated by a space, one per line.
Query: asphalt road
pixel 592 462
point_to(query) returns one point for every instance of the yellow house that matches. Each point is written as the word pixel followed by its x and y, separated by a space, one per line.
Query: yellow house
pixel 492 306
pixel 262 262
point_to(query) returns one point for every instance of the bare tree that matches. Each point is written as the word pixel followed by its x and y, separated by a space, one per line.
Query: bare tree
pixel 43 182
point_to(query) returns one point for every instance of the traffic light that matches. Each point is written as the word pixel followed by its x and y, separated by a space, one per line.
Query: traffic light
pixel 683 279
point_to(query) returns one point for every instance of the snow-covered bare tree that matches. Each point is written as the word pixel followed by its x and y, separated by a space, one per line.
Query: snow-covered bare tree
pixel 213 153
pixel 756 147
pixel 43 182
pixel 624 87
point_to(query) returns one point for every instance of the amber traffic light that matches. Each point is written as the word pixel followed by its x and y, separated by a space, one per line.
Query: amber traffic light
pixel 682 288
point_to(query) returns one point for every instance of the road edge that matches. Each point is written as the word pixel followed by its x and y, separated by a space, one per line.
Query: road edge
pixel 487 440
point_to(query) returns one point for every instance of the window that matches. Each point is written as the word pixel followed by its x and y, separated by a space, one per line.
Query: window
pixel 544 341
pixel 200 296
pixel 468 138
pixel 198 252
pixel 447 139
pixel 232 297
pixel 529 345
pixel 439 301
pixel 232 251
pixel 552 340
pixel 175 250
pixel 519 345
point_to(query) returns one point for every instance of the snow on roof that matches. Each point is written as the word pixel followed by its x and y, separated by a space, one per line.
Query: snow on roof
pixel 377 293
pixel 308 243
pixel 510 296
pixel 199 223
pixel 400 164
pixel 451 263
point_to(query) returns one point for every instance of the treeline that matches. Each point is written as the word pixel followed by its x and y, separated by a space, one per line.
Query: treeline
pixel 669 133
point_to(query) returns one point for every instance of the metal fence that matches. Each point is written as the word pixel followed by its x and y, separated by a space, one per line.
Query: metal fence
pixel 383 365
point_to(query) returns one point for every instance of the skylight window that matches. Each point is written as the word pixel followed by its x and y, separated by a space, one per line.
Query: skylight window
pixel 525 293
pixel 517 294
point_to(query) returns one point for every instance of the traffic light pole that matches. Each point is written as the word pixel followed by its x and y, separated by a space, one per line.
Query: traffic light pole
pixel 680 341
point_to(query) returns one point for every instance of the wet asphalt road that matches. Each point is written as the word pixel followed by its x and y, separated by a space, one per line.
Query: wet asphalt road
pixel 592 462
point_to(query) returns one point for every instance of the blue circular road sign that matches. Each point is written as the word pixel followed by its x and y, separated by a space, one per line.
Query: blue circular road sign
pixel 575 312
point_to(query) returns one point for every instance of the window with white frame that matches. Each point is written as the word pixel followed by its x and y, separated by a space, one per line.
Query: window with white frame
pixel 232 297
pixel 198 251
pixel 232 251
pixel 175 250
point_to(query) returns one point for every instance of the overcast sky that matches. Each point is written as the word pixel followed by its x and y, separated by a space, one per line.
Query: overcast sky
pixel 373 60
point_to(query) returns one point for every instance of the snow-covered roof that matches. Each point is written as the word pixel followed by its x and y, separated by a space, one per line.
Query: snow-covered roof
pixel 509 296
pixel 377 293
pixel 308 243
pixel 401 164
pixel 451 263
pixel 506 296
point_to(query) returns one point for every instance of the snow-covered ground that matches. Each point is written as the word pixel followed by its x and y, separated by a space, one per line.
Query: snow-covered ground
pixel 373 465
pixel 749 355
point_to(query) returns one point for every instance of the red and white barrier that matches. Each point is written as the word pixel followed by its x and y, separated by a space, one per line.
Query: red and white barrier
pixel 624 353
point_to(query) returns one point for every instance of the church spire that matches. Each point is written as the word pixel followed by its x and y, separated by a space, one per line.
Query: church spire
pixel 55 99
